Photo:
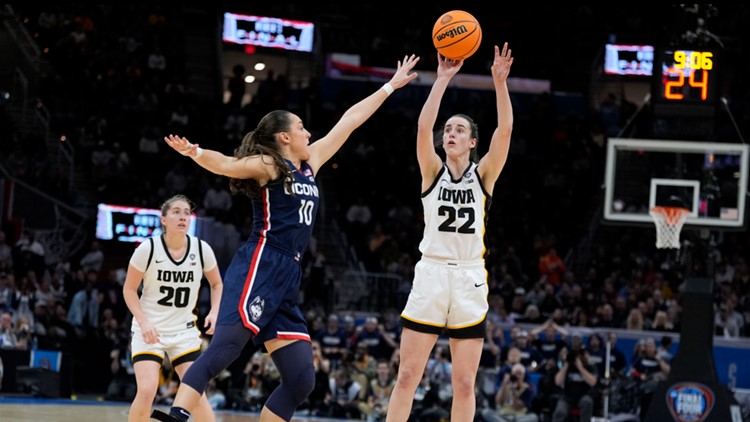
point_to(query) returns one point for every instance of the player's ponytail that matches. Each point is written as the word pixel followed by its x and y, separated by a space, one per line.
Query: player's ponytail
pixel 262 141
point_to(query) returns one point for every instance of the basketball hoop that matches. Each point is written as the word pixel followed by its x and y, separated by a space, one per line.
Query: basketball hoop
pixel 669 222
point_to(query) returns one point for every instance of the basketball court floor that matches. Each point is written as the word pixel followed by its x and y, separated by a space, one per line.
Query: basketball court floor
pixel 61 410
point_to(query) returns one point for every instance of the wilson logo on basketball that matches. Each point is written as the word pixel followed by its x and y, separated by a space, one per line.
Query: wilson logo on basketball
pixel 453 32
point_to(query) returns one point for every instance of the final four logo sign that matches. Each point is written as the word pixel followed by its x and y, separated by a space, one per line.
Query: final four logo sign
pixel 690 401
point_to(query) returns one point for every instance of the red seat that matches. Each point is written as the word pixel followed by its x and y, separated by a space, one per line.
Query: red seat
pixel 574 414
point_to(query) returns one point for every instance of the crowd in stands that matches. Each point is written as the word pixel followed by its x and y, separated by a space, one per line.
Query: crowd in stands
pixel 117 85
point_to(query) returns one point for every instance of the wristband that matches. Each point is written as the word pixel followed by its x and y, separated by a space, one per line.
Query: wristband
pixel 388 88
pixel 198 152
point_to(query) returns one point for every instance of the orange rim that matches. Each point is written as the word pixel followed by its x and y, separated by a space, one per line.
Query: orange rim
pixel 670 215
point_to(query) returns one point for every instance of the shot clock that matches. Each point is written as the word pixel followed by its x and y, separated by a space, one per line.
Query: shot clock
pixel 686 81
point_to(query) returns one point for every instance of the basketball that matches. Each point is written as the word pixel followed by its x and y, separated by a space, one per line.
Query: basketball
pixel 456 35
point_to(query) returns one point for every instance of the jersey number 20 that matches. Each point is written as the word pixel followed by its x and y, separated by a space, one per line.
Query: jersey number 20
pixel 178 297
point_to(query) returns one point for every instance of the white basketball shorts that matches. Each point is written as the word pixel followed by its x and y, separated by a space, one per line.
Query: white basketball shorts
pixel 173 345
pixel 450 294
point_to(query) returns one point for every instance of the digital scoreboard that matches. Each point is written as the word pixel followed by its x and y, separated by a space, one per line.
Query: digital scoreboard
pixel 686 81
pixel 131 224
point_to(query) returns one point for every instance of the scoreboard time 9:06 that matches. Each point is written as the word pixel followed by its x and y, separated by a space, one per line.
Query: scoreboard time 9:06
pixel 687 76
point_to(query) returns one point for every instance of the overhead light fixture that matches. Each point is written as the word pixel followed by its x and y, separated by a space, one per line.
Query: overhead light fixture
pixel 249 79
pixel 260 66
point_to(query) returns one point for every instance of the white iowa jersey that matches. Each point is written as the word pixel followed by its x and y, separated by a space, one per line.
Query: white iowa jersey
pixel 171 286
pixel 455 216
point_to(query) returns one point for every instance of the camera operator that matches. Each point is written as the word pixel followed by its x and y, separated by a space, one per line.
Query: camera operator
pixel 648 368
pixel 576 378
pixel 513 399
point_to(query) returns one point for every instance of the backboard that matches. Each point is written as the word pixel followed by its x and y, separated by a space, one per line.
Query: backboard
pixel 707 178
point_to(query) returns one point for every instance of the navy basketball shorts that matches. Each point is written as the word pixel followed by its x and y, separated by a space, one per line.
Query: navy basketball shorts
pixel 261 289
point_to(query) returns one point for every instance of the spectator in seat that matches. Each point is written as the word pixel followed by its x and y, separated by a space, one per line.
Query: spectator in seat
pixel 513 399
pixel 94 258
pixel 552 266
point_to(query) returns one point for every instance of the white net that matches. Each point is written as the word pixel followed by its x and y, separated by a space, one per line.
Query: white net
pixel 669 222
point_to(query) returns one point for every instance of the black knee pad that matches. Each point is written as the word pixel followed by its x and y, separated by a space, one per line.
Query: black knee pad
pixel 222 357
pixel 210 364
pixel 295 366
pixel 304 385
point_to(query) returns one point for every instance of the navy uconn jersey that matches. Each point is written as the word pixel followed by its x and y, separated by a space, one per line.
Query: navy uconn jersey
pixel 283 219
pixel 455 216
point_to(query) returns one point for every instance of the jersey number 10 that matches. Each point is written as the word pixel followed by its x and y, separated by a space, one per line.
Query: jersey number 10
pixel 306 211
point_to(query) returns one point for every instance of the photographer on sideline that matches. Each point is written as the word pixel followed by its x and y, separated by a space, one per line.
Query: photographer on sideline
pixel 577 379
pixel 513 399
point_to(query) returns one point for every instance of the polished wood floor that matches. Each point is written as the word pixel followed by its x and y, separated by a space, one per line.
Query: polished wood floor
pixel 34 409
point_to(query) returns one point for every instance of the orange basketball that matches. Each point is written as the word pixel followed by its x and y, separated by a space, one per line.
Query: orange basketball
pixel 456 35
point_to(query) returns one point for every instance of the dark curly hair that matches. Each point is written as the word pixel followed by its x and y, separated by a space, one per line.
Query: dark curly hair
pixel 262 141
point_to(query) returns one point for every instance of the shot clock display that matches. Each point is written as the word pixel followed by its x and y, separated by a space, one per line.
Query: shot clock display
pixel 687 77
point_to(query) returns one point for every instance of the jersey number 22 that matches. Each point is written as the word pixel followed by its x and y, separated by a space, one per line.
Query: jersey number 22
pixel 453 214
